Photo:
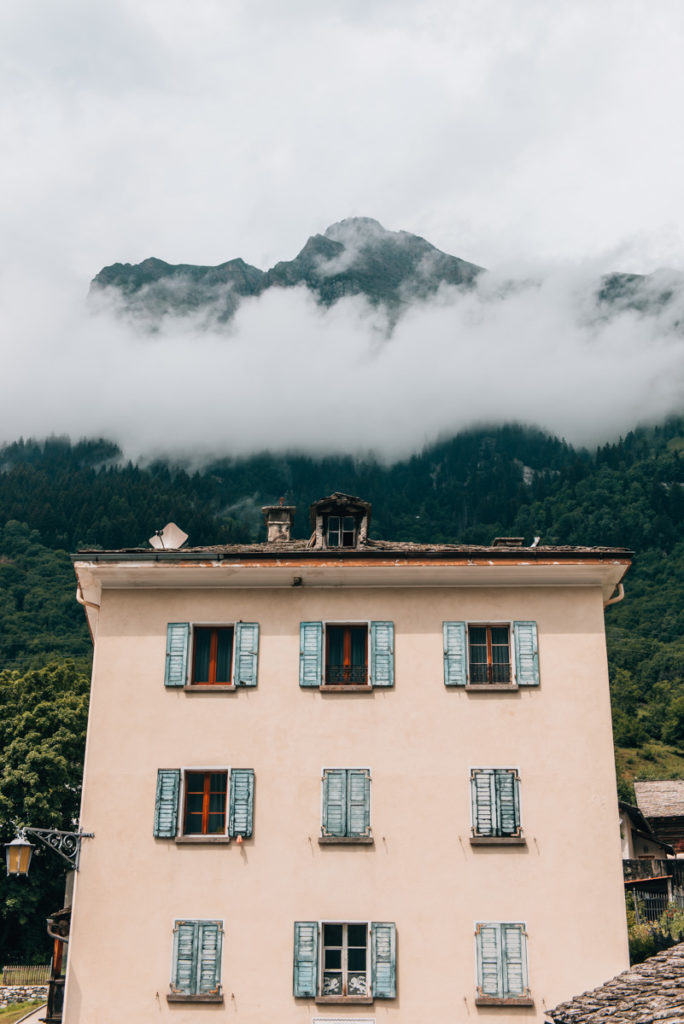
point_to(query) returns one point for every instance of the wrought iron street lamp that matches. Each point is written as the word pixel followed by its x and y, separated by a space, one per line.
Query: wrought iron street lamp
pixel 66 844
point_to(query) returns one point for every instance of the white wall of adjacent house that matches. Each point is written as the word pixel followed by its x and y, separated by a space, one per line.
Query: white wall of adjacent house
pixel 418 738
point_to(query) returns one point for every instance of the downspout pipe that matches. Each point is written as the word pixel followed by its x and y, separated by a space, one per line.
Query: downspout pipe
pixel 616 598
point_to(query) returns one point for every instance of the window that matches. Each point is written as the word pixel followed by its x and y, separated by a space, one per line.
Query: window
pixel 199 656
pixel 340 531
pixel 496 655
pixel 345 962
pixel 495 801
pixel 344 655
pixel 501 964
pixel 206 804
pixel 489 654
pixel 196 970
pixel 346 804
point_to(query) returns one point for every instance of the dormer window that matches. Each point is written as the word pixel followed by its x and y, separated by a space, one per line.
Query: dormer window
pixel 341 532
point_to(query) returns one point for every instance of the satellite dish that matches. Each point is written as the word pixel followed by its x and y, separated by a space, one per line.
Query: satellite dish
pixel 168 539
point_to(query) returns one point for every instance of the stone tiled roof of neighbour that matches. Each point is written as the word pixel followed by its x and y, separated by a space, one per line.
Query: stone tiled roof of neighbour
pixel 648 993
pixel 660 799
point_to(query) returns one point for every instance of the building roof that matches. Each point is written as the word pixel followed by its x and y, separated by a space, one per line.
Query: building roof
pixel 662 799
pixel 648 993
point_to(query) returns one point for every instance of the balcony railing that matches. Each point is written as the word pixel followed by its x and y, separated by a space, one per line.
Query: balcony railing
pixel 338 674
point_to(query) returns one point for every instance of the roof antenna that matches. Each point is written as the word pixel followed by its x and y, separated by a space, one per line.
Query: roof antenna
pixel 169 539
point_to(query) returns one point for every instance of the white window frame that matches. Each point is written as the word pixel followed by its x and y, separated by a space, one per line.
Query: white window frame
pixel 321 962
pixel 191 652
pixel 508 623
pixel 347 622
pixel 199 836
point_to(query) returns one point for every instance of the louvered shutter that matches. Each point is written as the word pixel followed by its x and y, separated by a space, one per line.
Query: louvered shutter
pixel 507 802
pixel 514 947
pixel 382 653
pixel 455 654
pixel 483 799
pixel 526 653
pixel 384 959
pixel 210 934
pixel 245 661
pixel 358 802
pixel 177 647
pixel 334 802
pixel 489 967
pixel 305 958
pixel 166 803
pixel 310 653
pixel 185 936
pixel 240 820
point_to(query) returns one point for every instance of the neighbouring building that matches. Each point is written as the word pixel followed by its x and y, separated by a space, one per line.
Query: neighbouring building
pixel 662 804
pixel 346 781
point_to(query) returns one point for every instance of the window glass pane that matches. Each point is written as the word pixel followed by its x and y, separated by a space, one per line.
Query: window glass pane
pixel 224 654
pixel 358 645
pixel 357 934
pixel 333 531
pixel 332 934
pixel 335 645
pixel 202 655
pixel 356 984
pixel 348 532
pixel 333 958
pixel 332 984
pixel 357 959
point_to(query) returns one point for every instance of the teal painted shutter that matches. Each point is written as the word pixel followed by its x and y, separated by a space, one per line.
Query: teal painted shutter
pixel 384 959
pixel 514 947
pixel 246 653
pixel 185 936
pixel 526 653
pixel 210 934
pixel 241 802
pixel 166 803
pixel 305 958
pixel 358 802
pixel 489 966
pixel 507 801
pixel 382 653
pixel 455 651
pixel 177 647
pixel 334 802
pixel 310 653
pixel 483 799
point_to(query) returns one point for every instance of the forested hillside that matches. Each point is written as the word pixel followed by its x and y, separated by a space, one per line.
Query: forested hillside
pixel 57 496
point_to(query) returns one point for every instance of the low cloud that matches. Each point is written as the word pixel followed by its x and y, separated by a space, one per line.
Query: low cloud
pixel 287 374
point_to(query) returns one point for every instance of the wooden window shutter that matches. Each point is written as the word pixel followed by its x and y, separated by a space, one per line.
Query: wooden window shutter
pixel 489 966
pixel 245 660
pixel 384 959
pixel 455 654
pixel 483 799
pixel 358 802
pixel 382 653
pixel 185 936
pixel 310 653
pixel 526 653
pixel 166 803
pixel 210 934
pixel 334 802
pixel 241 816
pixel 305 958
pixel 177 646
pixel 507 801
pixel 514 948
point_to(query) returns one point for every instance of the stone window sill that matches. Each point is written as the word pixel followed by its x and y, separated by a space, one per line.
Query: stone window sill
pixel 344 1000
pixel 201 840
pixel 210 688
pixel 345 688
pixel 498 841
pixel 509 1001
pixel 180 997
pixel 344 840
pixel 492 687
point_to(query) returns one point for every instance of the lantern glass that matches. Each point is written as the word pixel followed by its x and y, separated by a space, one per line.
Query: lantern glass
pixel 18 854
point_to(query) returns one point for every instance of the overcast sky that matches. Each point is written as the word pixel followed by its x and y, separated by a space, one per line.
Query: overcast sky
pixel 529 137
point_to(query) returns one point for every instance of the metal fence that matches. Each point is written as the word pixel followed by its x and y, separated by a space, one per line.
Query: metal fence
pixel 25 974
pixel 650 906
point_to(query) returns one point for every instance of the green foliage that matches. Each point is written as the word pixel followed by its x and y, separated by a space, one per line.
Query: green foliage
pixel 42 736
pixel 646 938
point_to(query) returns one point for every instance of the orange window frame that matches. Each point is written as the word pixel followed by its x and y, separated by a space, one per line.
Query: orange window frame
pixel 207 794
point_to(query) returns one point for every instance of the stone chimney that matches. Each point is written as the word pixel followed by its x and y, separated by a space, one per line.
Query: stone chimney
pixel 278 519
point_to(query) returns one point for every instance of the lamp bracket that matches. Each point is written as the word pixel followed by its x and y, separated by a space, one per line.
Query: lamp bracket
pixel 66 844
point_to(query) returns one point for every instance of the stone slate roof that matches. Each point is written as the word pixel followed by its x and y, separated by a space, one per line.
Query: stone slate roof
pixel 648 993
pixel 660 799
